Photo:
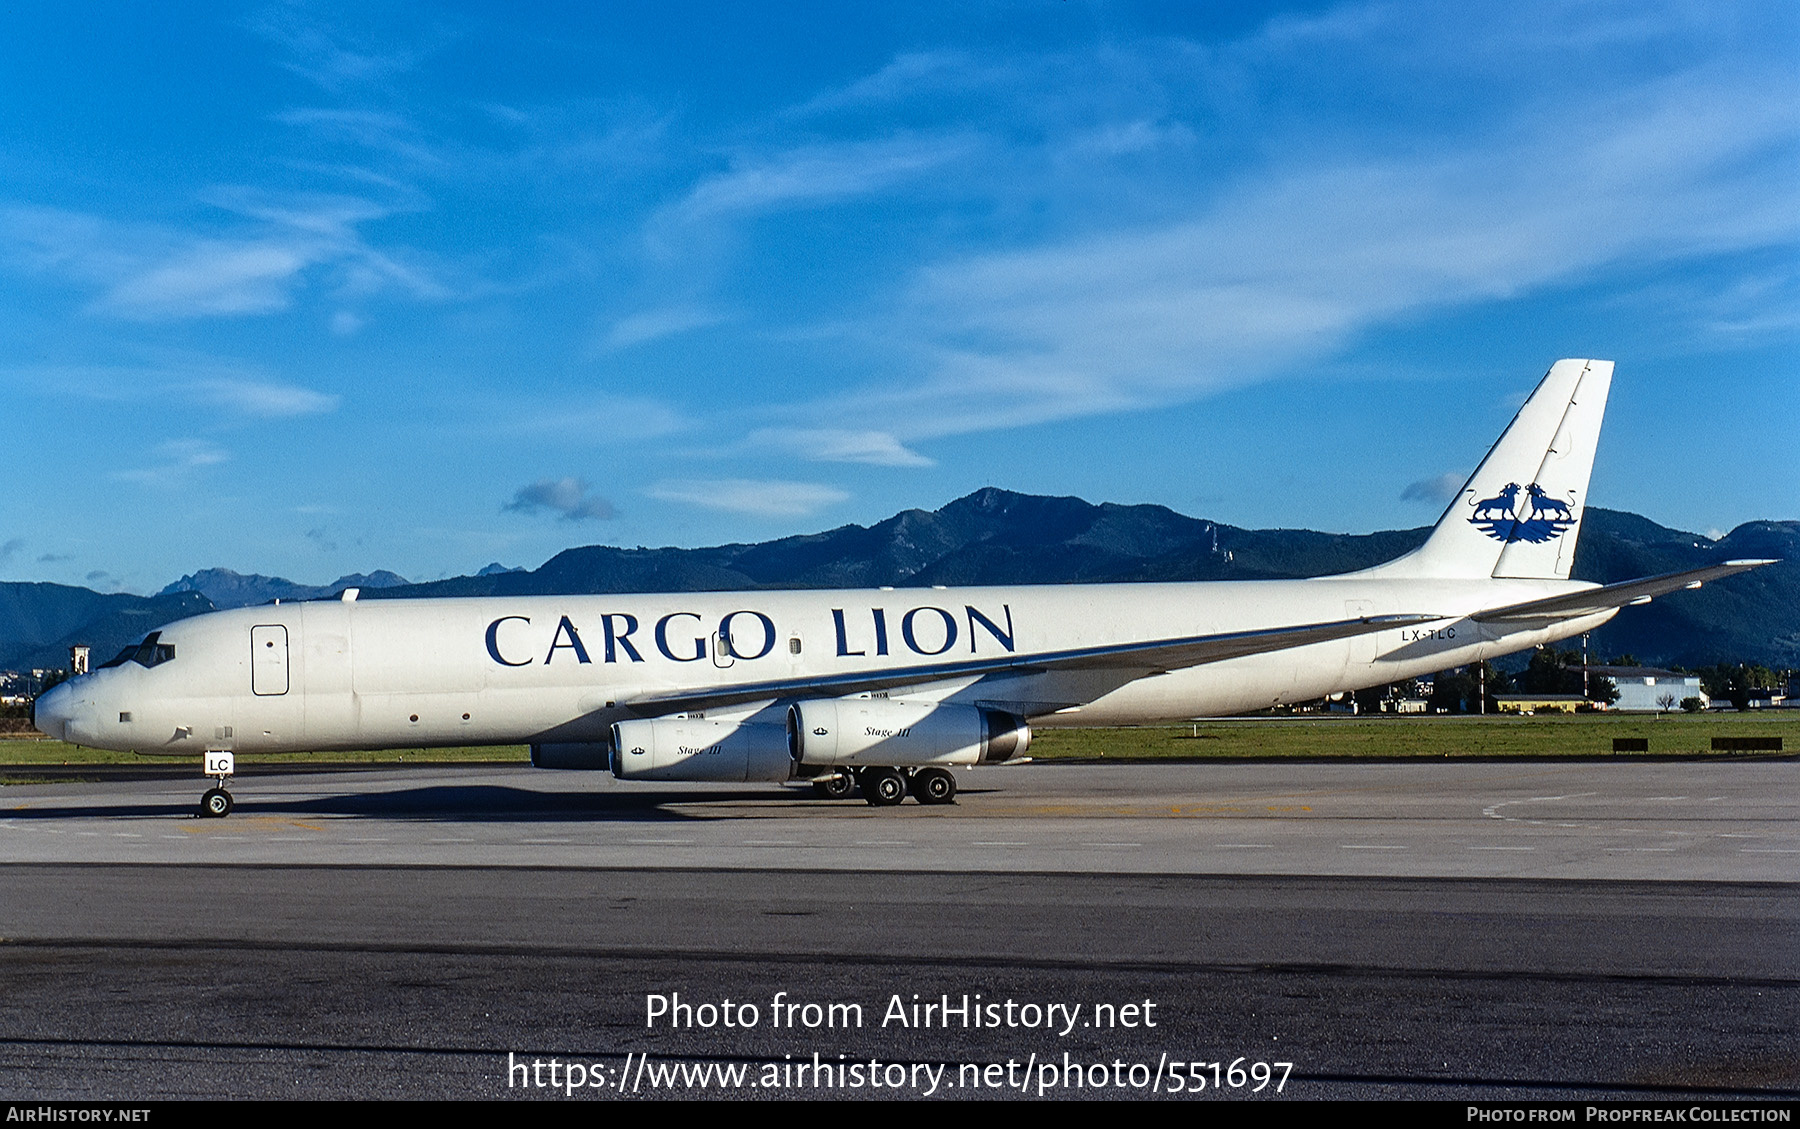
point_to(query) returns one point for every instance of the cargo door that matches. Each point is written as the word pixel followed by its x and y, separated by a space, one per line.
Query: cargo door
pixel 268 660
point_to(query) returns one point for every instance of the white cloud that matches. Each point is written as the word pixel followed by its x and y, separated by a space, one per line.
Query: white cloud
pixel 1293 259
pixel 199 380
pixel 818 174
pixel 181 458
pixel 570 497
pixel 907 75
pixel 1176 218
pixel 757 497
pixel 650 325
pixel 265 399
pixel 211 278
pixel 836 445
pixel 153 273
pixel 1118 139
pixel 385 132
pixel 333 57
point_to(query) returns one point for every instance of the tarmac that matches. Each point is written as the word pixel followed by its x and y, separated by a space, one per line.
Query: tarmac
pixel 1491 931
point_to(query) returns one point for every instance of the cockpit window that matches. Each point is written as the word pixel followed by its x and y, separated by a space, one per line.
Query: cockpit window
pixel 146 654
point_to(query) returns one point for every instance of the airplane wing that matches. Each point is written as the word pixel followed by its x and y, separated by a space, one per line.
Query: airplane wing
pixel 1141 659
pixel 1616 595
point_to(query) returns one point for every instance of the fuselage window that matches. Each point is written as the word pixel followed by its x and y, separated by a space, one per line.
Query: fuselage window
pixel 146 654
pixel 151 653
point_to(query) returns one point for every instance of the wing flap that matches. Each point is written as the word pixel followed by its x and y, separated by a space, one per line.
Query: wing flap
pixel 1146 658
pixel 1616 595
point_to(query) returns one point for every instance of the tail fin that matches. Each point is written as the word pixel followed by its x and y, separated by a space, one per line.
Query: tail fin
pixel 1520 513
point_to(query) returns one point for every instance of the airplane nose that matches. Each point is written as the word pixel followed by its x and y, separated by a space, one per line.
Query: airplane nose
pixel 52 710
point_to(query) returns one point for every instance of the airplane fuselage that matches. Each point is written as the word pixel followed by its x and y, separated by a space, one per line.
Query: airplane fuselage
pixel 335 675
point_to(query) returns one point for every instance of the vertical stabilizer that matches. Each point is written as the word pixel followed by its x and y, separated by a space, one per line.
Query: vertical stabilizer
pixel 1518 516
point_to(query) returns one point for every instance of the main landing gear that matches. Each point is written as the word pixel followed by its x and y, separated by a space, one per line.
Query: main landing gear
pixel 839 787
pixel 934 786
pixel 884 787
pixel 216 803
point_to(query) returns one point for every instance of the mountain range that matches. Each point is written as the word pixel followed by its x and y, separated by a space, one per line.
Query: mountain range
pixel 227 589
pixel 997 537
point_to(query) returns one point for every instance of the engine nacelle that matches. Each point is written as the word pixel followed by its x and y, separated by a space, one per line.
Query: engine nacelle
pixel 902 734
pixel 696 749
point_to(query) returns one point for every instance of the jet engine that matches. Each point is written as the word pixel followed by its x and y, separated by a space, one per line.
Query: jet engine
pixel 696 749
pixel 902 734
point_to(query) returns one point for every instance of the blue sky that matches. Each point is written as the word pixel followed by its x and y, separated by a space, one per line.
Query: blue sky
pixel 310 289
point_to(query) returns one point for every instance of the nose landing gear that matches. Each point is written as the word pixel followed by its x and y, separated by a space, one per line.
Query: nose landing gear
pixel 216 803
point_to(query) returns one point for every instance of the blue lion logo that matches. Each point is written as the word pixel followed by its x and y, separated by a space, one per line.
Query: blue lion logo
pixel 1542 518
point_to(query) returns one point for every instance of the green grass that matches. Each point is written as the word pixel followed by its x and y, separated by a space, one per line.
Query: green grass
pixel 1434 737
pixel 1310 736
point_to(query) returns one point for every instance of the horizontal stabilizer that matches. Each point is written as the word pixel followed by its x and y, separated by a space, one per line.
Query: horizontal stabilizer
pixel 1616 595
pixel 1142 659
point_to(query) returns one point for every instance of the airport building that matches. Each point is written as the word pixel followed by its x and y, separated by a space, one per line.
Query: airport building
pixel 1649 688
pixel 1542 703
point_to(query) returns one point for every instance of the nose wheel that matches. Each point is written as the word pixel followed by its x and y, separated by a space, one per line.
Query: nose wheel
pixel 216 803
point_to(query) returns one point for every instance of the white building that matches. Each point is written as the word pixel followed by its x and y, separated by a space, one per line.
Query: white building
pixel 1647 687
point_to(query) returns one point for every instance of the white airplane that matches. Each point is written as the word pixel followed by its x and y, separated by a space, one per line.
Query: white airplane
pixel 882 689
